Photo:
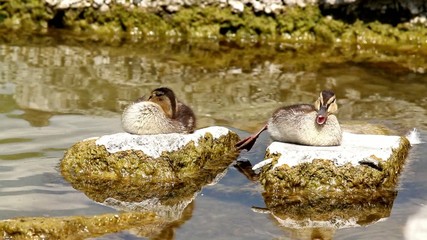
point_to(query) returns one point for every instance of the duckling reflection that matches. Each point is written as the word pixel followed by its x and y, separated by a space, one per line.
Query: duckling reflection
pixel 161 113
pixel 306 124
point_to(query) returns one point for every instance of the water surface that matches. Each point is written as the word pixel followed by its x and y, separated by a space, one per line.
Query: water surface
pixel 54 94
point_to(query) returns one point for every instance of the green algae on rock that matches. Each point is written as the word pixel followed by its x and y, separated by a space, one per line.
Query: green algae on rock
pixel 76 227
pixel 355 182
pixel 167 168
pixel 123 20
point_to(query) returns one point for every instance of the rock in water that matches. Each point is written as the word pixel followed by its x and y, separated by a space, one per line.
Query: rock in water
pixel 348 185
pixel 166 168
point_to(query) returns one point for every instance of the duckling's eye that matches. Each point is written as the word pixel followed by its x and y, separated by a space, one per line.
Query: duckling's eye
pixel 158 94
pixel 331 100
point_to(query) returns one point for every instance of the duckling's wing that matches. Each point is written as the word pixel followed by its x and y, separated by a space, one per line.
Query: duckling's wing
pixel 294 110
pixel 186 117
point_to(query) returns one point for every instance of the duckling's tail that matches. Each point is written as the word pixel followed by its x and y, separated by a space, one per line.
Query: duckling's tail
pixel 414 137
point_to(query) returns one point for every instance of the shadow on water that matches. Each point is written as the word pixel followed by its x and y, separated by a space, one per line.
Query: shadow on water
pixel 53 94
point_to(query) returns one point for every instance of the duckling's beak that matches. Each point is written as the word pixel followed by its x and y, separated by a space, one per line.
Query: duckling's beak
pixel 322 115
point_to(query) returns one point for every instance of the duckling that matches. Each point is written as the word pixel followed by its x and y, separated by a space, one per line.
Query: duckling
pixel 305 124
pixel 160 113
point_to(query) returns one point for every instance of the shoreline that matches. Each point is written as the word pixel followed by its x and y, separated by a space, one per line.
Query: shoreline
pixel 333 22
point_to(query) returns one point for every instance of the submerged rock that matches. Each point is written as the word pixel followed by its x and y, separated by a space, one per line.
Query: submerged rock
pixel 349 185
pixel 76 227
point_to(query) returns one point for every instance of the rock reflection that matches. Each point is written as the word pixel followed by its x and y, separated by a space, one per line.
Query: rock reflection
pixel 37 118
pixel 166 230
pixel 298 214
pixel 303 219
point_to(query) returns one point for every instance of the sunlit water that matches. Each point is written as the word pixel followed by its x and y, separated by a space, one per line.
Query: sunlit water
pixel 53 95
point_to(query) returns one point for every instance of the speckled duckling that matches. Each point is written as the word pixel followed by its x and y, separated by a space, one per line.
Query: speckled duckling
pixel 161 113
pixel 305 124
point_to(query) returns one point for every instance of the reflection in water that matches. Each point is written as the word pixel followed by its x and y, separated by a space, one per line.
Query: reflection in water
pixel 37 118
pixel 53 95
pixel 167 232
pixel 318 233
pixel 305 219
pixel 101 81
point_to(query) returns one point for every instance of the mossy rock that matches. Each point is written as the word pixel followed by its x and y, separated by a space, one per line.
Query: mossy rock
pixel 168 168
pixel 355 181
pixel 77 227
pixel 120 21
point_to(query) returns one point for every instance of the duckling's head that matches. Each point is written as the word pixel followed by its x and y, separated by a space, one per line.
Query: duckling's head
pixel 165 98
pixel 325 105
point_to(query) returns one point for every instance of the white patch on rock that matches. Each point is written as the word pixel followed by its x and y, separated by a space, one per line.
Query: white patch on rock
pixel 64 4
pixel 104 8
pixel 98 3
pixel 53 2
pixel 154 145
pixel 262 164
pixel 236 5
pixel 353 149
pixel 258 6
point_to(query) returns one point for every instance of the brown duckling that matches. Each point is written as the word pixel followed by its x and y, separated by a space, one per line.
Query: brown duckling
pixel 305 124
pixel 161 113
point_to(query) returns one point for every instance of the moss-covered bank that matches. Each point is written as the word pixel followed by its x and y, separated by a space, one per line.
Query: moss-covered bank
pixel 119 22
